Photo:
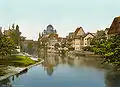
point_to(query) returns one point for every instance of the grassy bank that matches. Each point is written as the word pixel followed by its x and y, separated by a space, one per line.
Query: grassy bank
pixel 17 61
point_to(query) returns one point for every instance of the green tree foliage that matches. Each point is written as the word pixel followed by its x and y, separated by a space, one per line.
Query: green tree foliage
pixel 18 33
pixel 98 38
pixel 6 45
pixel 30 48
pixel 109 48
pixel 15 34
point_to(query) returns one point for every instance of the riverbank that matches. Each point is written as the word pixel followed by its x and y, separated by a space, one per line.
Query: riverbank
pixel 84 54
pixel 17 70
pixel 16 61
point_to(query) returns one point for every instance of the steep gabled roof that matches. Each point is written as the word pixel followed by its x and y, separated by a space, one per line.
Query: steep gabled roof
pixel 115 26
pixel 78 29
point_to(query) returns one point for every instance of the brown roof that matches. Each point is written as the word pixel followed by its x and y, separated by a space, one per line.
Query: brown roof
pixel 78 29
pixel 115 26
pixel 88 33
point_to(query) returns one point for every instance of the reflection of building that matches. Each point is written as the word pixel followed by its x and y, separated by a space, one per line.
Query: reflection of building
pixel 49 30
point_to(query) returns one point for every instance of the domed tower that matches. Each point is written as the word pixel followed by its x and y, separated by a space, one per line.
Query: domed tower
pixel 49 30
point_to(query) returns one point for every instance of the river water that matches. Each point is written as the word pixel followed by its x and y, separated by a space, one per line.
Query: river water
pixel 62 71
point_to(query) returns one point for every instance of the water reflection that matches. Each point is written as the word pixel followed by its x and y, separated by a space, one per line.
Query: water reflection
pixel 5 83
pixel 8 82
pixel 112 79
pixel 78 70
pixel 53 60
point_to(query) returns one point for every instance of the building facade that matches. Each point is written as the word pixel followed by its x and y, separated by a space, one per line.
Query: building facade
pixel 79 38
pixel 87 39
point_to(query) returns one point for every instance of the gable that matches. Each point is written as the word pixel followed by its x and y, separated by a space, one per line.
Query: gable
pixel 79 31
pixel 89 36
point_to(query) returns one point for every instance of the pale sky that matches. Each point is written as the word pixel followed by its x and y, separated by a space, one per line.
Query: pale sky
pixel 65 15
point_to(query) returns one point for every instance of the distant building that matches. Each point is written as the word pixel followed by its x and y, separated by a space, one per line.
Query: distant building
pixel 87 39
pixel 48 38
pixel 79 38
pixel 49 30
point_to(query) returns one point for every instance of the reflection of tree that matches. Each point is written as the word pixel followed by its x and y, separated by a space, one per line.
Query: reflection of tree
pixel 5 83
pixel 21 73
pixel 2 72
pixel 112 79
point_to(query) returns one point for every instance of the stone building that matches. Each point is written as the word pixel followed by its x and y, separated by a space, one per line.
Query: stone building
pixel 79 38
pixel 87 39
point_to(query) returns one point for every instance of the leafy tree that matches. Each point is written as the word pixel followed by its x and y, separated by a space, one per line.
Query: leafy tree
pixel 13 26
pixel 6 46
pixel 18 33
pixel 30 48
pixel 109 48
pixel 15 34
pixel 1 33
pixel 100 36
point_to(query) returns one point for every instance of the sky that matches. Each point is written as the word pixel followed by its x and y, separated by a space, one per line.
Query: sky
pixel 33 16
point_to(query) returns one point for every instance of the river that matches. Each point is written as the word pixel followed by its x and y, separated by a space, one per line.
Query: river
pixel 62 71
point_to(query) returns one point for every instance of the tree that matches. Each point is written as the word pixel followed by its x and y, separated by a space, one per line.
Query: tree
pixel 13 26
pixel 18 33
pixel 108 48
pixel 6 46
pixel 30 48
pixel 100 36
pixel 15 34
pixel 1 33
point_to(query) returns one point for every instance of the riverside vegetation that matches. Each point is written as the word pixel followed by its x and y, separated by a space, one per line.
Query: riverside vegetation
pixel 8 46
pixel 109 48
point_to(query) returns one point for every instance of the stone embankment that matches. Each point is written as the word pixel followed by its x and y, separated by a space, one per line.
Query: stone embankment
pixel 16 70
